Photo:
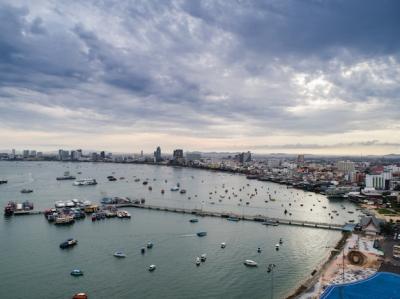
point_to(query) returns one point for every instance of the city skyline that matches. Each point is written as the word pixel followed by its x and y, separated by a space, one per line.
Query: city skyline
pixel 309 77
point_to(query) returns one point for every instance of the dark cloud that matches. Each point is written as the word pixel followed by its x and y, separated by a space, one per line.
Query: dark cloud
pixel 222 69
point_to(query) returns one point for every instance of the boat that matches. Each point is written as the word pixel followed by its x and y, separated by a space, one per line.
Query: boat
pixel 250 263
pixel 70 204
pixel 270 223
pixel 142 250
pixel 152 267
pixel 350 212
pixel 59 204
pixel 85 182
pixel 137 180
pixel 351 221
pixel 223 245
pixel 162 191
pixel 233 218
pixel 80 296
pixel 183 191
pixel 64 220
pixel 194 220
pixel 111 178
pixel 198 261
pixel 259 250
pixel 203 257
pixel 149 245
pixel 77 272
pixel 277 246
pixel 201 234
pixel 280 241
pixel 26 191
pixel 3 182
pixel 145 182
pixel 175 188
pixel 66 176
pixel 68 243
pixel 119 254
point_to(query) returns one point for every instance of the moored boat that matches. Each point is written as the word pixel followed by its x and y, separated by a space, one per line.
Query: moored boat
pixel 250 263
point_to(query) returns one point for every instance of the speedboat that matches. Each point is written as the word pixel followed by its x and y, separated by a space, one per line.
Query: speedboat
pixel 194 220
pixel 203 257
pixel 250 263
pixel 68 243
pixel 76 272
pixel 201 234
pixel 119 254
pixel 198 261
pixel 152 267
pixel 223 245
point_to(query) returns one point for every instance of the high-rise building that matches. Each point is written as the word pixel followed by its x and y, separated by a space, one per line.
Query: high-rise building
pixel 157 155
pixel 32 154
pixel 178 156
pixel 193 156
pixel 103 155
pixel 63 155
pixel 244 157
pixel 300 159
pixel 345 166
pixel 25 153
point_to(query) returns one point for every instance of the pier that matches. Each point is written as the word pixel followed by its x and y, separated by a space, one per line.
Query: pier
pixel 256 218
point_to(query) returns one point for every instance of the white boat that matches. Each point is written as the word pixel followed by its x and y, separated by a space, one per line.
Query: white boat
pixel 175 188
pixel 250 263
pixel 70 204
pixel 198 261
pixel 203 257
pixel 277 246
pixel 85 182
pixel 152 267
pixel 119 254
pixel 223 245
pixel 87 203
pixel 59 204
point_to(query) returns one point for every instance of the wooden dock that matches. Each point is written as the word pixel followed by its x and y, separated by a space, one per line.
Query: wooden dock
pixel 256 218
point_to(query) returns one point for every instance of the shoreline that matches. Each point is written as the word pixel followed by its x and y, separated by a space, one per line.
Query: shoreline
pixel 309 282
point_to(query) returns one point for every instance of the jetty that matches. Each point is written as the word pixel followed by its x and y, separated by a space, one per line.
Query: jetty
pixel 256 218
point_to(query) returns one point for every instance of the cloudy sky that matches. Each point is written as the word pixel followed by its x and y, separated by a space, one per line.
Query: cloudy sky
pixel 267 76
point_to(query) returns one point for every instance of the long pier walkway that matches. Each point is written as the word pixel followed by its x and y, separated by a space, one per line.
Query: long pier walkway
pixel 257 218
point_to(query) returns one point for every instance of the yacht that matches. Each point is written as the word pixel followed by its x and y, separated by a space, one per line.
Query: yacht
pixel 85 182
pixel 250 263
pixel 175 188
pixel 119 254
pixel 76 272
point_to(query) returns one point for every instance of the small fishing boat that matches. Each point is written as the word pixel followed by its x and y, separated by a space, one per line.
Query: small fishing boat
pixel 77 272
pixel 250 263
pixel 280 241
pixel 223 245
pixel 68 243
pixel 80 296
pixel 149 245
pixel 194 220
pixel 183 191
pixel 175 188
pixel 203 257
pixel 259 250
pixel 143 250
pixel 119 254
pixel 198 261
pixel 152 268
pixel 277 246
pixel 201 234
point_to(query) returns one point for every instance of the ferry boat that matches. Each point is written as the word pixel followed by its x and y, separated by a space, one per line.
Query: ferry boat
pixel 68 243
pixel 85 182
pixel 66 176
pixel 64 220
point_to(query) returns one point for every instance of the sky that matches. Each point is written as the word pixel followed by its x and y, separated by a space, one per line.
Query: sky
pixel 304 76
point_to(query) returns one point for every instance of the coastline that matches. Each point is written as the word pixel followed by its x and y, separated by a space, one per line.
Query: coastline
pixel 315 275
